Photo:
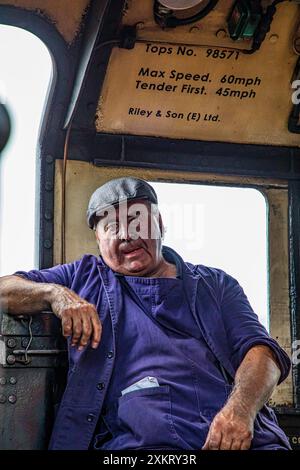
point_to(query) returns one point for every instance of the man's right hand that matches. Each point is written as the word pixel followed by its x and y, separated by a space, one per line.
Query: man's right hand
pixel 79 318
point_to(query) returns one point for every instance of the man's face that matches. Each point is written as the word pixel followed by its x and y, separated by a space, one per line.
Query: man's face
pixel 129 238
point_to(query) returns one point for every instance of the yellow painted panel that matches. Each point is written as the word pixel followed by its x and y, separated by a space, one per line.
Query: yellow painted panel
pixel 279 282
pixel 65 14
pixel 179 90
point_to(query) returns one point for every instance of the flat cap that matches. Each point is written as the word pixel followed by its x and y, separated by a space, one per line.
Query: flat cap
pixel 118 190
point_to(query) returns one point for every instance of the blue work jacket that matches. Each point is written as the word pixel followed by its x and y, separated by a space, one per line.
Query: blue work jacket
pixel 221 311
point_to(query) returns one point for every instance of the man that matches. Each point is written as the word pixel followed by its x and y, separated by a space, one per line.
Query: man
pixel 183 362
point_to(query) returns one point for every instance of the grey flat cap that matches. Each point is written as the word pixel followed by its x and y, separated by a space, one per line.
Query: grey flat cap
pixel 116 190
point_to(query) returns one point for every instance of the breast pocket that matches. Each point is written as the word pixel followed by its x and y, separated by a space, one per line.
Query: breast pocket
pixel 145 416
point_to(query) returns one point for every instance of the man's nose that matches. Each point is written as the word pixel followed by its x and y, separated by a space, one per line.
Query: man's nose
pixel 124 232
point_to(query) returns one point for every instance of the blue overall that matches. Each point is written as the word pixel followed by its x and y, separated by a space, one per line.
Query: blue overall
pixel 177 330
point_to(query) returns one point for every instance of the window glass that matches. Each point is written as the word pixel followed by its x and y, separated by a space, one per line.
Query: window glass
pixel 220 227
pixel 25 73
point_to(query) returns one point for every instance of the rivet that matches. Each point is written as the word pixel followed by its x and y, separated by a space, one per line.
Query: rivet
pixel 274 38
pixel 221 34
pixel 10 359
pixel 48 186
pixel 194 29
pixel 2 380
pixel 140 25
pixel 90 105
pixel 47 244
pixel 11 343
pixel 12 380
pixel 48 215
pixel 49 159
pixel 12 399
pixel 2 398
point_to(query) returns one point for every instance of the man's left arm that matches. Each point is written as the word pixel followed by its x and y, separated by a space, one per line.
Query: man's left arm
pixel 255 380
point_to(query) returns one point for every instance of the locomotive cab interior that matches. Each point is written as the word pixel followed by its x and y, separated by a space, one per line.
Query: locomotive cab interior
pixel 200 92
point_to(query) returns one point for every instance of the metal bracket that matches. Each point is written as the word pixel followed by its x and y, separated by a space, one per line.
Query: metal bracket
pixel 23 342
pixel 25 353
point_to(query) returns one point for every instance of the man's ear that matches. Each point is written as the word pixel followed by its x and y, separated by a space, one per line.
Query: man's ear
pixel 96 234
